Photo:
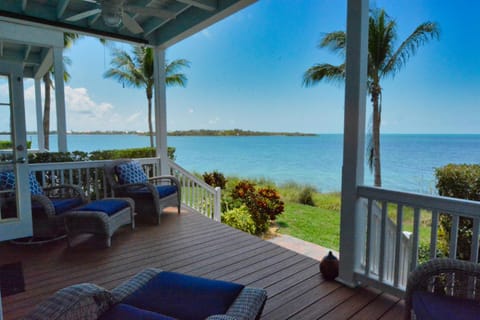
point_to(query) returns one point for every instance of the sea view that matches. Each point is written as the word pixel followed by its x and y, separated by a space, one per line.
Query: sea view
pixel 408 161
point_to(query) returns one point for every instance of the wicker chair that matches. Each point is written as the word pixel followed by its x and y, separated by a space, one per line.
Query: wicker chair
pixel 448 287
pixel 48 204
pixel 151 195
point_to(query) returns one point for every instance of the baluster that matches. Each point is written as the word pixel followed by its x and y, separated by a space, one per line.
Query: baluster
pixel 398 239
pixel 475 236
pixel 70 176
pixel 383 236
pixel 369 242
pixel 95 183
pixel 87 184
pixel 416 234
pixel 454 237
pixel 433 235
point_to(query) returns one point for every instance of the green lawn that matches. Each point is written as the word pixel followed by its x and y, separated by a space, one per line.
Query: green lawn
pixel 313 224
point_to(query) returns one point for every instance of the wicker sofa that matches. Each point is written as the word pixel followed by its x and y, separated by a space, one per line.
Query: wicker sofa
pixel 155 294
pixel 443 289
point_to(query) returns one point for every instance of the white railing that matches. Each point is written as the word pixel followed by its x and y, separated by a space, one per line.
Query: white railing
pixel 381 221
pixel 196 194
pixel 90 176
pixel 387 257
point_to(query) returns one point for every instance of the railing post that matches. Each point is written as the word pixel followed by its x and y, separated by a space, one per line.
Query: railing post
pixel 217 208
pixel 354 139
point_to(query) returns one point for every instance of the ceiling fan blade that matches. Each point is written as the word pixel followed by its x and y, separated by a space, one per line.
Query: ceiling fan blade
pixel 153 12
pixel 131 24
pixel 91 1
pixel 83 15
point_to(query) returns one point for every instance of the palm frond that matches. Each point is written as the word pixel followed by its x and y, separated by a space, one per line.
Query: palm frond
pixel 335 41
pixel 172 75
pixel 323 71
pixel 421 35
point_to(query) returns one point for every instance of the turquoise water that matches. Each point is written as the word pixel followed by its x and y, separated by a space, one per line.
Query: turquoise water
pixel 408 161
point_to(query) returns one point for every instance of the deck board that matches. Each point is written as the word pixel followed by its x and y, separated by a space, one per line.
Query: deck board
pixel 195 245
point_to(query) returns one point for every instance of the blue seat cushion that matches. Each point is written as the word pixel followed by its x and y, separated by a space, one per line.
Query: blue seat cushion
pixel 184 297
pixel 61 205
pixel 163 191
pixel 125 311
pixel 108 206
pixel 130 172
pixel 431 306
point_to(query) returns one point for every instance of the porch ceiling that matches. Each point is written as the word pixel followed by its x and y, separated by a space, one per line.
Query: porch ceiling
pixel 156 22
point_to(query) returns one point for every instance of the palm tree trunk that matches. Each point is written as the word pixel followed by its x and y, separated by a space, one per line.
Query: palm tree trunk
pixel 376 91
pixel 46 110
pixel 150 128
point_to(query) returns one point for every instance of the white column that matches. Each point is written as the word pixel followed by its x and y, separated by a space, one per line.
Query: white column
pixel 38 107
pixel 354 138
pixel 161 109
pixel 60 99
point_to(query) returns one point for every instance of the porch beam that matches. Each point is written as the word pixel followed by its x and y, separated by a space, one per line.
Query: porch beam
pixel 351 236
pixel 38 108
pixel 208 5
pixel 60 99
pixel 160 109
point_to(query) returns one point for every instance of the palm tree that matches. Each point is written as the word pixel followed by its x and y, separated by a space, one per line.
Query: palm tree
pixel 136 70
pixel 68 40
pixel 383 61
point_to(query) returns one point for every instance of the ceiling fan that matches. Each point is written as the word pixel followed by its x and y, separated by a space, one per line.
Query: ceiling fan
pixel 115 12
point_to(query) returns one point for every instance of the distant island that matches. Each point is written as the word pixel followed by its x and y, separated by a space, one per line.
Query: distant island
pixel 198 132
pixel 235 132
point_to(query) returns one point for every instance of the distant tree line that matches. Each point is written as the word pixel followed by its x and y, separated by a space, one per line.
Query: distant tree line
pixel 235 132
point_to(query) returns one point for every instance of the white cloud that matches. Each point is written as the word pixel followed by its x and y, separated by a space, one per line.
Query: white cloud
pixel 190 110
pixel 86 114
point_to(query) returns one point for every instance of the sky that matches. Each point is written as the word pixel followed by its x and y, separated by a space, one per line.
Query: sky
pixel 246 72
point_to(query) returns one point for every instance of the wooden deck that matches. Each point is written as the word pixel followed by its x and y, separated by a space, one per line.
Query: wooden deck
pixel 196 245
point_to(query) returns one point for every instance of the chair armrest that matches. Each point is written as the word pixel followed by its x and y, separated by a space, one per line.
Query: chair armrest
pixel 46 203
pixel 132 187
pixel 172 180
pixel 70 189
pixel 81 301
pixel 133 284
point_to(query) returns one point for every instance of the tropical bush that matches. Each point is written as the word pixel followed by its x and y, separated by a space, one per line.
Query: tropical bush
pixel 458 181
pixel 306 196
pixel 240 219
pixel 263 204
pixel 5 144
pixel 215 179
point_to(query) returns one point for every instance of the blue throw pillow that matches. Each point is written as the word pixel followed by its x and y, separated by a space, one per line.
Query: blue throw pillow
pixel 130 172
pixel 8 182
pixel 185 297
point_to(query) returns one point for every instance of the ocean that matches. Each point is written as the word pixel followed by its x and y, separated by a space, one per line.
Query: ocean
pixel 408 161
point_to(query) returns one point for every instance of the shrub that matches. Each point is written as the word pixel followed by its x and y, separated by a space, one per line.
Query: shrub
pixel 240 218
pixel 5 144
pixel 215 179
pixel 306 196
pixel 268 201
pixel 263 204
pixel 458 181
